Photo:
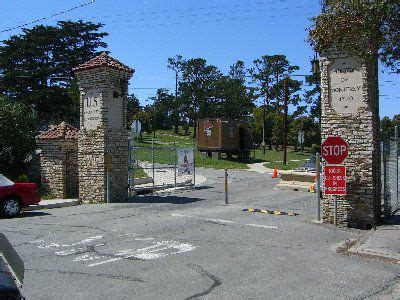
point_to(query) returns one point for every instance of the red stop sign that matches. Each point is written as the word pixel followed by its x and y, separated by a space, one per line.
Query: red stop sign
pixel 334 150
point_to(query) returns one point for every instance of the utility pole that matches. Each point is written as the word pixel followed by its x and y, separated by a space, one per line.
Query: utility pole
pixel 154 119
pixel 285 101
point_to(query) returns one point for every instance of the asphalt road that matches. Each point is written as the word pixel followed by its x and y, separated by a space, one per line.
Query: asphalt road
pixel 187 244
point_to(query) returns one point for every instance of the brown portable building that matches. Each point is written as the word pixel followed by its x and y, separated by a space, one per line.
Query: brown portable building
pixel 224 136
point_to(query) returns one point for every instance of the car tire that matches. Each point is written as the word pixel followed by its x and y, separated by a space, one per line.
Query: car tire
pixel 10 207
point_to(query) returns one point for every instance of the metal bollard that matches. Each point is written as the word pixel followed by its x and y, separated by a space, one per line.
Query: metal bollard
pixel 335 211
pixel 226 186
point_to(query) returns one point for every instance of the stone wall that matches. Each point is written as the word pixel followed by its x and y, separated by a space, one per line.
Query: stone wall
pixel 51 167
pixel 359 208
pixel 54 162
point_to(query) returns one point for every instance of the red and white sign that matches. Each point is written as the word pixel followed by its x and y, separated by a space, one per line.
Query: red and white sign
pixel 334 150
pixel 335 180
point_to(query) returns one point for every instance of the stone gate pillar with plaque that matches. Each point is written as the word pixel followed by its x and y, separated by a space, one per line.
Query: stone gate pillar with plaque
pixel 349 92
pixel 103 137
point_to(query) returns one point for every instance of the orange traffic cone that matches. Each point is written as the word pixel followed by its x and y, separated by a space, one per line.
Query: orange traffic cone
pixel 275 173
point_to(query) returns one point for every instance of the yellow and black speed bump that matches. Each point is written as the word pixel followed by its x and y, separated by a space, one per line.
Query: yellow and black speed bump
pixel 271 212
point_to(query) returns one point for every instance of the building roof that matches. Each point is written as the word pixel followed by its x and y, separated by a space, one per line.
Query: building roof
pixel 62 131
pixel 103 60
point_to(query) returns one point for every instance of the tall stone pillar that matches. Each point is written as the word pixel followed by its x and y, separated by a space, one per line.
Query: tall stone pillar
pixel 350 110
pixel 103 83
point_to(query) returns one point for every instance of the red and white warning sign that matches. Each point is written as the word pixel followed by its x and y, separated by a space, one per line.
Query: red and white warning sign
pixel 335 180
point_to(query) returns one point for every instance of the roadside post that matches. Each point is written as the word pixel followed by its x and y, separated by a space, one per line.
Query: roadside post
pixel 107 161
pixel 175 163
pixel 226 186
pixel 334 151
pixel 152 159
pixel 300 139
pixel 194 163
pixel 318 187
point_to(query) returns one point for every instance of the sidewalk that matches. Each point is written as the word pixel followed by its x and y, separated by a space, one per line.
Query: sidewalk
pixel 53 203
pixel 384 242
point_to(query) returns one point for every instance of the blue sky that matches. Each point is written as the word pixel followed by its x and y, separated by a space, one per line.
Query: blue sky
pixel 144 33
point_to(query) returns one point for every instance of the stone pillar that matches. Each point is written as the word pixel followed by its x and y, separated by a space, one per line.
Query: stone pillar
pixel 350 109
pixel 103 83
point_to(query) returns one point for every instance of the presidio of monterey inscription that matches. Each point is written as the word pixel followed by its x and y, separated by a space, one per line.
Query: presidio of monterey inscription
pixel 346 85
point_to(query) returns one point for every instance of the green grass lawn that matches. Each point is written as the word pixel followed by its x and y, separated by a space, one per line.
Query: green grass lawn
pixel 140 173
pixel 164 143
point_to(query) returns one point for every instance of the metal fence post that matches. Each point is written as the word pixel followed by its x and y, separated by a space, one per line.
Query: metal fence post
pixel 152 159
pixel 175 163
pixel 318 188
pixel 226 186
pixel 384 179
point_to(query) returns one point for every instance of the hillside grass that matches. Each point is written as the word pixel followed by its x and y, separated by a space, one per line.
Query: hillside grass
pixel 164 154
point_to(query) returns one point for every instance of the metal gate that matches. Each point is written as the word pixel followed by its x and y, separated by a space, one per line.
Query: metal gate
pixel 390 174
pixel 154 164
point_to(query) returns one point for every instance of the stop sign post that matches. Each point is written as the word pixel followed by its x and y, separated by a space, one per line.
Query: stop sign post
pixel 334 150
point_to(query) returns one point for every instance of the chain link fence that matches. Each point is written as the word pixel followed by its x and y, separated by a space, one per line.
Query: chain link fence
pixel 154 164
pixel 390 174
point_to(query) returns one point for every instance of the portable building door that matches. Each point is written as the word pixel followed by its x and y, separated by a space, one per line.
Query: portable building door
pixel 241 138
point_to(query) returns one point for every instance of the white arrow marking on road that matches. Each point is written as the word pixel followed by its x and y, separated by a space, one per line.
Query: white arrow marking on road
pixel 85 241
pixel 151 252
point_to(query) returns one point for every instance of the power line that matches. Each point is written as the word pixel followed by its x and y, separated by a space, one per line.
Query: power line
pixel 48 17
pixel 191 9
pixel 207 14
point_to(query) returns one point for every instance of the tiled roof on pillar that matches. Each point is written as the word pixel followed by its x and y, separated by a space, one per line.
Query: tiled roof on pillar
pixel 63 131
pixel 103 60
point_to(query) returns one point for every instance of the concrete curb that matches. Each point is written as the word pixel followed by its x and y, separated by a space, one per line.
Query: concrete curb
pixel 294 186
pixel 44 205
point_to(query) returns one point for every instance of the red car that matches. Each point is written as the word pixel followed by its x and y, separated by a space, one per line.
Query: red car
pixel 14 196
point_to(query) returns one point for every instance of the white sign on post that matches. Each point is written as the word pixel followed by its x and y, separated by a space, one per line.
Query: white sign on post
pixel 300 138
pixel 136 126
pixel 185 161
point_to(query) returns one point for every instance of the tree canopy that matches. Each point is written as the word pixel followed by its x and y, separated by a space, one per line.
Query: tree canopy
pixel 366 28
pixel 36 67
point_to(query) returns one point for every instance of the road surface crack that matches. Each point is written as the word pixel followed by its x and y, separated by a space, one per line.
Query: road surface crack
pixel 216 282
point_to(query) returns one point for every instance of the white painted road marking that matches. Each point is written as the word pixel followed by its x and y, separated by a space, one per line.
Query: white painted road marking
pixel 262 226
pixel 223 221
pixel 152 252
pixel 203 219
pixel 85 241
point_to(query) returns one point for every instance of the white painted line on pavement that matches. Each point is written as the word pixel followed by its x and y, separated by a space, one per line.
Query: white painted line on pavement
pixel 203 219
pixel 262 226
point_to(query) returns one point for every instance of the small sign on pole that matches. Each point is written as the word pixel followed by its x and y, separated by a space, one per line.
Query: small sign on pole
pixel 335 180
